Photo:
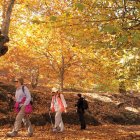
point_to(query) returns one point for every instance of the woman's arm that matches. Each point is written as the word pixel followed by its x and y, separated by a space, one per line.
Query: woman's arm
pixel 63 100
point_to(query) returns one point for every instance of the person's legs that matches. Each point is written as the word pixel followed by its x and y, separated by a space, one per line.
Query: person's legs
pixel 59 126
pixel 17 124
pixel 27 123
pixel 18 120
pixel 57 118
pixel 82 120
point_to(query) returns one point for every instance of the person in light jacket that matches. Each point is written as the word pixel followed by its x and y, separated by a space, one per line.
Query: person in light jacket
pixel 21 115
pixel 58 105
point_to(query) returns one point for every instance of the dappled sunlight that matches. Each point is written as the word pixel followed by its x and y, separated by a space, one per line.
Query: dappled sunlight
pixel 90 47
pixel 104 113
pixel 132 109
pixel 102 97
pixel 99 97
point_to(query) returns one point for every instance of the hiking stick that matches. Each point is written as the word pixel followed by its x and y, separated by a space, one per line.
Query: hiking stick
pixel 50 118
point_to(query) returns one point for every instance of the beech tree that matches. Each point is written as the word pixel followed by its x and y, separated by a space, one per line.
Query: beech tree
pixel 7 6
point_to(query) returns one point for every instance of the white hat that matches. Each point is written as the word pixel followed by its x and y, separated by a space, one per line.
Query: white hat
pixel 55 89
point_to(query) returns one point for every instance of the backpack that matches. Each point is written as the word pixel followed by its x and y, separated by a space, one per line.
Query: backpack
pixel 31 102
pixel 85 104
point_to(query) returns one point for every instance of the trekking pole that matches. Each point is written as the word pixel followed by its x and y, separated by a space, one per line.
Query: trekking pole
pixel 50 118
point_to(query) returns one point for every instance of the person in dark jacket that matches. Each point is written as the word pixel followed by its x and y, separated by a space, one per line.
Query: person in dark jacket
pixel 81 111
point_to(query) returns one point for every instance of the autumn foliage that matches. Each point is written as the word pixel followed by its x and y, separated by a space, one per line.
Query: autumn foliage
pixel 83 45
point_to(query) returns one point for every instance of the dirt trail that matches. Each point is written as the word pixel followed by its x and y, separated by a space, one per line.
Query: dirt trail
pixel 72 132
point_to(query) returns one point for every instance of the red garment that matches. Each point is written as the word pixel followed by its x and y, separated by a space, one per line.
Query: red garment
pixel 60 103
pixel 28 108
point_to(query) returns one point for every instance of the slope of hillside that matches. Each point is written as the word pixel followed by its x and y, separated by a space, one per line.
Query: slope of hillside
pixel 103 108
pixel 108 114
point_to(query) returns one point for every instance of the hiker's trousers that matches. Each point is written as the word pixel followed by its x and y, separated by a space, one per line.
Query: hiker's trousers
pixel 82 120
pixel 22 117
pixel 58 120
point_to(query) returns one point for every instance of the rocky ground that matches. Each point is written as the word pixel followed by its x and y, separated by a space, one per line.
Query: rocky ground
pixel 111 116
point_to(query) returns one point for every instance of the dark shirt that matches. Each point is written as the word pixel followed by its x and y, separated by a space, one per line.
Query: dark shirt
pixel 79 105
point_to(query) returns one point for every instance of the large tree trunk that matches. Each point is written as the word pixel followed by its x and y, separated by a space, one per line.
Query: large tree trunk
pixel 61 74
pixel 34 77
pixel 7 10
pixel 122 88
pixel 61 80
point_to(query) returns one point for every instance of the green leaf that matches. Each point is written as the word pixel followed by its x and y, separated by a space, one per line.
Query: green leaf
pixel 53 18
pixel 110 29
pixel 122 39
pixel 80 6
pixel 136 37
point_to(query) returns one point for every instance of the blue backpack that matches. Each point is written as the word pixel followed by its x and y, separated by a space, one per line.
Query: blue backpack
pixel 31 102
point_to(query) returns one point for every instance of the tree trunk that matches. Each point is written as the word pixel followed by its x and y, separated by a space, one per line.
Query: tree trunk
pixel 7 10
pixel 122 88
pixel 61 80
pixel 61 74
pixel 34 77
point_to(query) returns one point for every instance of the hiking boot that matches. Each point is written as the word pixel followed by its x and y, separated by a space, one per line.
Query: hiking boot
pixel 56 129
pixel 30 135
pixel 60 131
pixel 12 134
pixel 83 128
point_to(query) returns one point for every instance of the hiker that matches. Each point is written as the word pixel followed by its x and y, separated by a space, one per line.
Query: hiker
pixel 81 111
pixel 58 105
pixel 22 108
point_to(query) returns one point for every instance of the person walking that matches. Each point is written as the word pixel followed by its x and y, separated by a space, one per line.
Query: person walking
pixel 81 111
pixel 22 107
pixel 58 105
